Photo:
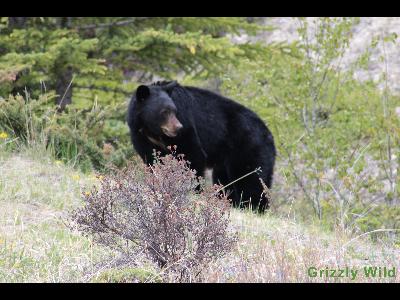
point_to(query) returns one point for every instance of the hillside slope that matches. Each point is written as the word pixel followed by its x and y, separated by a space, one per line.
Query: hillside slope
pixel 36 194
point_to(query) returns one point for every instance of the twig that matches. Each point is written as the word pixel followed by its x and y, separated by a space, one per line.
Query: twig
pixel 66 90
pixel 254 171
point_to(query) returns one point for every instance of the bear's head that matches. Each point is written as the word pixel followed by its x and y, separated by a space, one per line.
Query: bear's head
pixel 158 110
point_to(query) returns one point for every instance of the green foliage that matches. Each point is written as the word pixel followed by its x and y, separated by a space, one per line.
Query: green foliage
pixel 102 50
pixel 334 134
pixel 38 55
pixel 77 137
pixel 380 216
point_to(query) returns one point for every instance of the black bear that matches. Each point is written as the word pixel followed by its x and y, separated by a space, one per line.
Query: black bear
pixel 212 131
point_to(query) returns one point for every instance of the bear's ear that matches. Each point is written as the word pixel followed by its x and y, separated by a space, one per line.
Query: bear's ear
pixel 169 86
pixel 142 92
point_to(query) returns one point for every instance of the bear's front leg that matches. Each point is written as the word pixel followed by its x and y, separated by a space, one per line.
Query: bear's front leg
pixel 189 145
pixel 144 148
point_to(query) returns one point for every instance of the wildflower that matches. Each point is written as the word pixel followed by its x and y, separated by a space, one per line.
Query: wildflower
pixel 75 177
pixel 58 162
pixel 3 135
pixel 87 193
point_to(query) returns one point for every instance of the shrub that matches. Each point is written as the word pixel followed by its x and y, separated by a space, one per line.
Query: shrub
pixel 82 137
pixel 155 210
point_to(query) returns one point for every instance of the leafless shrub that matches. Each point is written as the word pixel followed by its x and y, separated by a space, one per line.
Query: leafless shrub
pixel 155 210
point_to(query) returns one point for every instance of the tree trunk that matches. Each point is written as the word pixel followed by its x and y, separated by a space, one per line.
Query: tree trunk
pixel 64 89
pixel 64 75
pixel 64 22
pixel 17 22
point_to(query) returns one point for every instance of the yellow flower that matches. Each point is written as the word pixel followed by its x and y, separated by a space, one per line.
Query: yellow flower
pixel 3 135
pixel 87 193
pixel 76 177
pixel 58 162
pixel 101 177
pixel 192 50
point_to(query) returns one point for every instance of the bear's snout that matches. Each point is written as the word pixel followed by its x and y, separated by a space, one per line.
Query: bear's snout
pixel 172 126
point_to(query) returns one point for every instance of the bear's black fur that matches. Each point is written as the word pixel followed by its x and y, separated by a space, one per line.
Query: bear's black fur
pixel 212 131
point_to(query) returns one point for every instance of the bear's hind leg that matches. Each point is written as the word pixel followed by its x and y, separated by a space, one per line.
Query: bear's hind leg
pixel 249 189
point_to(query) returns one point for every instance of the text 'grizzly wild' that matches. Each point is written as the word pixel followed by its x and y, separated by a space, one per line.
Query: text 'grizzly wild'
pixel 212 131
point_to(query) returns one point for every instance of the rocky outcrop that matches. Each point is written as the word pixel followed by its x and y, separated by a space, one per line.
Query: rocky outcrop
pixel 368 27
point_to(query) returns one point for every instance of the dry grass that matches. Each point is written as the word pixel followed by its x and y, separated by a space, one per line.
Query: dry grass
pixel 35 245
pixel 278 250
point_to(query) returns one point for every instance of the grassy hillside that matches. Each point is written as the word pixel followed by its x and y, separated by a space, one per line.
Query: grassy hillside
pixel 336 188
pixel 37 192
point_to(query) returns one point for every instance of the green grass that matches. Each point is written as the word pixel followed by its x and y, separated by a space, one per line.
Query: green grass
pixel 35 245
pixel 37 192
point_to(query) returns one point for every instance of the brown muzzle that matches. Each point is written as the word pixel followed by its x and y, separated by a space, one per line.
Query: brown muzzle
pixel 172 126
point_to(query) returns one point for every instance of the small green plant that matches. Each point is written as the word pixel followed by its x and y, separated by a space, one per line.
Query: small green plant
pixel 83 138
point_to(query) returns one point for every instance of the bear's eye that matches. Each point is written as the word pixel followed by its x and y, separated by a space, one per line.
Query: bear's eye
pixel 165 112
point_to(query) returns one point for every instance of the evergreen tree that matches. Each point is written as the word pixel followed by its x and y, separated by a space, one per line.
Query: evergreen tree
pixel 73 55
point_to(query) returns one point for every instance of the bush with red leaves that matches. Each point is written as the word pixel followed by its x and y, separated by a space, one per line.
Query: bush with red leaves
pixel 156 210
